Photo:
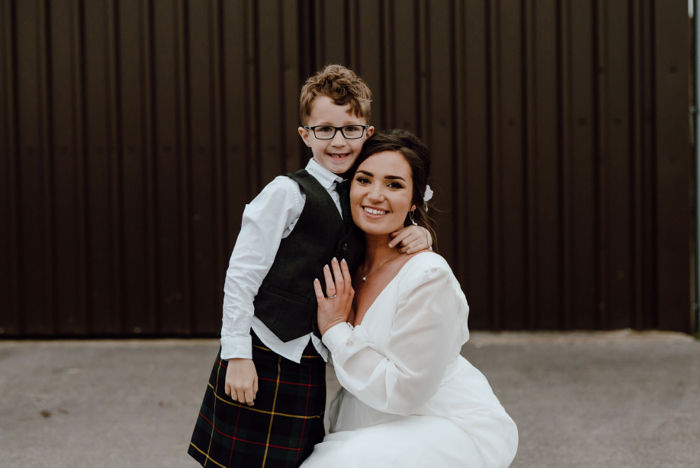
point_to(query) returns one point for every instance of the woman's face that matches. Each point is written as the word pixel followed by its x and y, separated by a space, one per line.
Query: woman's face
pixel 380 194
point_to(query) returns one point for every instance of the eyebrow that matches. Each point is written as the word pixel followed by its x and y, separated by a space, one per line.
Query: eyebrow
pixel 390 177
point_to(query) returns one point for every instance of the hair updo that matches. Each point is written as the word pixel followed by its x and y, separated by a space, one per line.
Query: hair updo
pixel 417 156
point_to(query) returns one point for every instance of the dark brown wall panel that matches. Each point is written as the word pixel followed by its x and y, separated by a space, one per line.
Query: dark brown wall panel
pixel 133 133
pixel 171 255
pixel 35 174
pixel 473 158
pixel 673 164
pixel 543 123
pixel 9 233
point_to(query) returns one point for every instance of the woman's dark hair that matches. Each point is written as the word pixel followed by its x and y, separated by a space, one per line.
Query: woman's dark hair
pixel 418 157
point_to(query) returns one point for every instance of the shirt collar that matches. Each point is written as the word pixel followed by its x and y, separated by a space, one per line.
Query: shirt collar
pixel 325 177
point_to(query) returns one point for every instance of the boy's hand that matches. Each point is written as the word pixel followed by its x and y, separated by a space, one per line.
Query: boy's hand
pixel 335 308
pixel 411 239
pixel 241 380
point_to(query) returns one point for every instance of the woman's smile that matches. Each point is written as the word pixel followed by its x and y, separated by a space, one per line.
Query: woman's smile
pixel 374 212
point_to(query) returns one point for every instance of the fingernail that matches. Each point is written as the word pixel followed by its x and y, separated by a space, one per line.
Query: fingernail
pixel 325 266
pixel 335 259
pixel 344 261
pixel 315 280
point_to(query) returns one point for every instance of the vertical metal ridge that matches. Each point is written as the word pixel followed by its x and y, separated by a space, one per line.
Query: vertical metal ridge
pixel 253 59
pixel 224 126
pixel 45 99
pixel 249 124
pixel 418 71
pixel 490 119
pixel 149 151
pixel 15 248
pixel 530 147
pixel 280 83
pixel 602 169
pixel 426 103
pixel 566 184
pixel 389 65
pixel 459 109
pixel 320 28
pixel 421 70
pixel 183 147
pixel 495 220
pixel 454 143
pixel 355 53
pixel 114 150
pixel 307 40
pixel 636 104
pixel 651 160
pixel 249 144
pixel 347 39
pixel 79 138
pixel 384 16
pixel 219 147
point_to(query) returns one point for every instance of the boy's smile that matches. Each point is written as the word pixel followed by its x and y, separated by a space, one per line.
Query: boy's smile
pixel 339 153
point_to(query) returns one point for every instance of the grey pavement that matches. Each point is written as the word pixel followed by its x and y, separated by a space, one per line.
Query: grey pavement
pixel 617 399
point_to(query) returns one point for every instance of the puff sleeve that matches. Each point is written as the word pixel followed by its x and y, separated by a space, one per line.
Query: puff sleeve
pixel 426 335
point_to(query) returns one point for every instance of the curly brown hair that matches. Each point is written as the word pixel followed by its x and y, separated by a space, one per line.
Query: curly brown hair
pixel 340 84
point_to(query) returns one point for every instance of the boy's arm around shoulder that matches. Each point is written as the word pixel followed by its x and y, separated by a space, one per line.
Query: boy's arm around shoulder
pixel 411 239
pixel 266 221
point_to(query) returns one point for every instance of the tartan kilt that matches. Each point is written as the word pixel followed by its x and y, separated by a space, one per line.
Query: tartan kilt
pixel 283 426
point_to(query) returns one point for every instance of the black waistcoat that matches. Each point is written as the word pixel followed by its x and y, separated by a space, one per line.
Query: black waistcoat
pixel 286 302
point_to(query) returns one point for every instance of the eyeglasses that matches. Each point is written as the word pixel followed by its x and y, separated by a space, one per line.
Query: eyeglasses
pixel 327 132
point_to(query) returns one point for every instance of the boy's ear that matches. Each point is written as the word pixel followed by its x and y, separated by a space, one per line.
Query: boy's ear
pixel 370 132
pixel 304 133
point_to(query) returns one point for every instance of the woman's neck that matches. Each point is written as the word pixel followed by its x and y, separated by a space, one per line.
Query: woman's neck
pixel 377 250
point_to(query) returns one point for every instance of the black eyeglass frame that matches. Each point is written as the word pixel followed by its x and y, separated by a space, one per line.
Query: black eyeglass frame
pixel 335 131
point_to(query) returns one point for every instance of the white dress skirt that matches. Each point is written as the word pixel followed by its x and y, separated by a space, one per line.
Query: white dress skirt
pixel 408 398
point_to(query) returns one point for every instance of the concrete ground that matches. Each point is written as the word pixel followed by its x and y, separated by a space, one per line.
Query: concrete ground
pixel 619 399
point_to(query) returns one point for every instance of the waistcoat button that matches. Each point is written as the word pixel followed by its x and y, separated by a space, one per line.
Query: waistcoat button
pixel 344 246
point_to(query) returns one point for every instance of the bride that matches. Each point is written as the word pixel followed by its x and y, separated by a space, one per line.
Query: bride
pixel 408 399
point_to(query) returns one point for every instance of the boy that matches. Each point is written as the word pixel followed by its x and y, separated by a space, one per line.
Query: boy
pixel 266 397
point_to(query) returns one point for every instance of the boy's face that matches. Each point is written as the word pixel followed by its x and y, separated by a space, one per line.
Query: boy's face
pixel 338 154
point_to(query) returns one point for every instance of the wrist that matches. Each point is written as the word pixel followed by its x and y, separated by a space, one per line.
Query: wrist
pixel 338 336
pixel 332 324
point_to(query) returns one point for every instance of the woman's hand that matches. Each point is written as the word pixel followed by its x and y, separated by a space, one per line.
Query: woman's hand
pixel 241 380
pixel 412 239
pixel 335 308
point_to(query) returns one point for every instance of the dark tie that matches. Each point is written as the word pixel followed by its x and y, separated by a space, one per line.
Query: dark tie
pixel 343 189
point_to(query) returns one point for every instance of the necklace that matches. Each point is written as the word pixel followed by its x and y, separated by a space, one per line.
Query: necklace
pixel 364 277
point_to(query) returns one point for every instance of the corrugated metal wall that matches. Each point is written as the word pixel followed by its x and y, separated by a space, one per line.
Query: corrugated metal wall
pixel 133 132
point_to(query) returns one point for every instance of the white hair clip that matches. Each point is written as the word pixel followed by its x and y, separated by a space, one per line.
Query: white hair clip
pixel 427 197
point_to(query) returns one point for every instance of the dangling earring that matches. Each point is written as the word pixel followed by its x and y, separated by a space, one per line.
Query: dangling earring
pixel 410 217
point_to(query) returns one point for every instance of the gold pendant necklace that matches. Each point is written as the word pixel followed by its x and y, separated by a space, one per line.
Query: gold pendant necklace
pixel 364 278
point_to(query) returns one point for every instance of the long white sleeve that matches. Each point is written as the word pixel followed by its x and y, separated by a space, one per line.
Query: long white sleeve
pixel 266 220
pixel 428 328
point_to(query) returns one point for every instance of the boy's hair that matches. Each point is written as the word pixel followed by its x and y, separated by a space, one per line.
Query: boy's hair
pixel 340 84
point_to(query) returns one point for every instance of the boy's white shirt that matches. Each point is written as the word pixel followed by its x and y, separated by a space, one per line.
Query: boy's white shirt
pixel 268 219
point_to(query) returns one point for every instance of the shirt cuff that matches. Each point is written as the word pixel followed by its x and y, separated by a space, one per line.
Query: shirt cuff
pixel 236 347
pixel 337 336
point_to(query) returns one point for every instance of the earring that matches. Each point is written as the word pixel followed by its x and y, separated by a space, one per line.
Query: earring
pixel 410 217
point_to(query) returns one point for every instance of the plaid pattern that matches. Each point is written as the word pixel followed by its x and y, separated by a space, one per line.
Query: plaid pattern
pixel 283 426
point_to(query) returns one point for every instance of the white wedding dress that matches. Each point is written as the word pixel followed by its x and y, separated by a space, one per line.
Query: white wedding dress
pixel 408 398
